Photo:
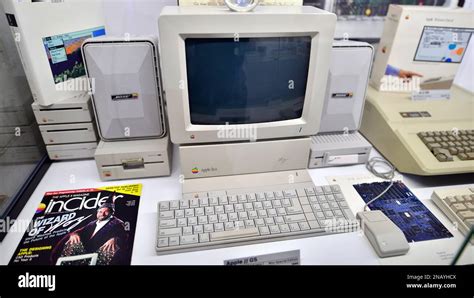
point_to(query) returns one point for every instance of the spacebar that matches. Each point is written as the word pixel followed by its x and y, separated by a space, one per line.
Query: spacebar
pixel 240 233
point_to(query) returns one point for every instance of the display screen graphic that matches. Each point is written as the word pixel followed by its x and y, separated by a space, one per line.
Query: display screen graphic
pixel 443 44
pixel 64 53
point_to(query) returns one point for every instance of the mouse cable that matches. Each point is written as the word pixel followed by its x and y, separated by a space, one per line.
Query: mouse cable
pixel 389 174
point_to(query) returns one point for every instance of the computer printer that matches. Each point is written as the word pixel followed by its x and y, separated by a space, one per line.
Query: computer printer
pixel 338 141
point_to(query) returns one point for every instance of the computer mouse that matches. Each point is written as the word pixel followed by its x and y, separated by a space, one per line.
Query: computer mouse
pixel 386 238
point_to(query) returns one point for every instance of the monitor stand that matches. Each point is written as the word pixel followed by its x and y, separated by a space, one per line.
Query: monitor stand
pixel 238 158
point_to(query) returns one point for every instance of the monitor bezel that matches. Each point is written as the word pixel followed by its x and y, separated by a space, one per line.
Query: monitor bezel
pixel 176 26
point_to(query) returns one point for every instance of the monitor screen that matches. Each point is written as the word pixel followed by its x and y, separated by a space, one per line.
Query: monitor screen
pixel 64 53
pixel 443 44
pixel 246 80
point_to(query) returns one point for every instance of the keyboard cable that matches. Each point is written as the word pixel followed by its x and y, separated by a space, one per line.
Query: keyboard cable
pixel 374 165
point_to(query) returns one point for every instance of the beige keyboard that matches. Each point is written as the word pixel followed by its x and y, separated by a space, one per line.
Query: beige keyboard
pixel 208 220
pixel 458 205
pixel 447 146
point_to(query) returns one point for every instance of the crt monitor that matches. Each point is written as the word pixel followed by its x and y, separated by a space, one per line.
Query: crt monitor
pixel 266 68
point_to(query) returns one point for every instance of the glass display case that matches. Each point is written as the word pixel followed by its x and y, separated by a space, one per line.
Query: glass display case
pixel 23 159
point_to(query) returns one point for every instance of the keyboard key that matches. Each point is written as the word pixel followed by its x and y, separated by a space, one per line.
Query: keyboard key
pixel 318 190
pixel 269 221
pixel 248 206
pixel 193 203
pixel 310 191
pixel 204 202
pixel 218 227
pixel 192 221
pixel 223 217
pixel 466 215
pixel 313 224
pixel 251 197
pixel 187 230
pixel 281 211
pixel 264 230
pixel 223 201
pixel 278 194
pixel 294 227
pixel 199 211
pixel 459 207
pixel 228 226
pixel 168 223
pixel 239 224
pixel 243 215
pixel 267 204
pixel 219 209
pixel 294 218
pixel 304 201
pixel 284 228
pixel 294 210
pixel 232 199
pixel 260 222
pixel 219 236
pixel 203 237
pixel 260 196
pixel 198 229
pixel 450 200
pixel 335 188
pixel 179 213
pixel 189 239
pixel 184 204
pixel 307 209
pixel 229 208
pixel 274 229
pixel 163 242
pixel 173 241
pixel 327 189
pixel 209 228
pixel 202 220
pixel 233 216
pixel 258 205
pixel 209 210
pixel 182 222
pixel 304 226
pixel 269 195
pixel 249 223
pixel 271 212
pixel 262 213
pixel 317 207
pixel 189 212
pixel 166 214
pixel 253 214
pixel 164 206
pixel 239 207
pixel 310 216
pixel 279 220
pixel 325 206
pixel 170 232
pixel 348 214
pixel 174 205
pixel 276 203
pixel 242 198
pixel 289 193
pixel 213 218
pixel 213 201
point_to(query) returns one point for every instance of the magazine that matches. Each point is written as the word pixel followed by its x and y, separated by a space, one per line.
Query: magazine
pixel 93 226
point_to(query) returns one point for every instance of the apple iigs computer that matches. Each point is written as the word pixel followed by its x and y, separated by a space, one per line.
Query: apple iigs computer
pixel 244 92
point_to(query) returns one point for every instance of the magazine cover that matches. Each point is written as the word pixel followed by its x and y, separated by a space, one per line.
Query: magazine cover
pixel 93 226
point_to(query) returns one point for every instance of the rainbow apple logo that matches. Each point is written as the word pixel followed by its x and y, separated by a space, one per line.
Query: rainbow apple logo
pixel 195 171
pixel 41 208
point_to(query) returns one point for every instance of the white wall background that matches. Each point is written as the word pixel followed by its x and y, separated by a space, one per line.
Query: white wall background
pixel 135 17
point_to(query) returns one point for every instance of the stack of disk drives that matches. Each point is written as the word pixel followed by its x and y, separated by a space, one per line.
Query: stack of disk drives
pixel 53 65
pixel 128 106
pixel 338 142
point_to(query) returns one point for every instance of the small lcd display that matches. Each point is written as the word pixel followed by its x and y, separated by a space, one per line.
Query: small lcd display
pixel 246 80
pixel 443 44
pixel 64 53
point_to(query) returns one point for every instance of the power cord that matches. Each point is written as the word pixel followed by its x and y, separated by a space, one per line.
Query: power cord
pixel 372 165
